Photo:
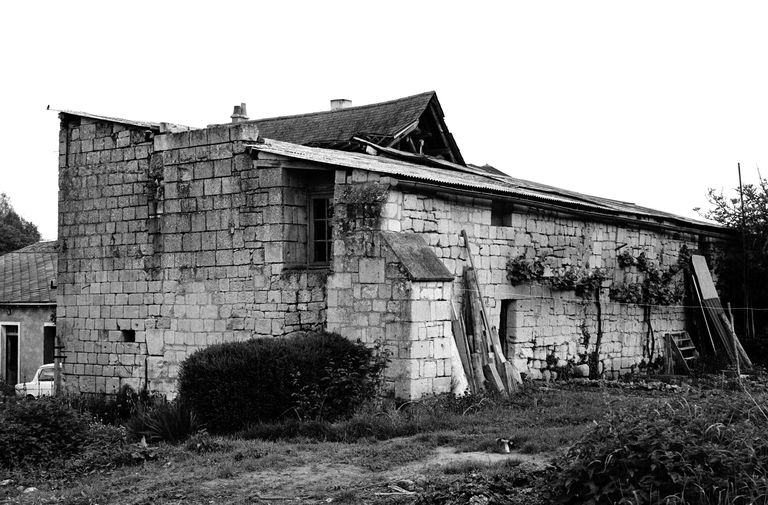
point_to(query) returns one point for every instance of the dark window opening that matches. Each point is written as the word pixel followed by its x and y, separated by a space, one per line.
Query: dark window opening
pixel 49 342
pixel 129 335
pixel 321 228
pixel 10 351
pixel 501 214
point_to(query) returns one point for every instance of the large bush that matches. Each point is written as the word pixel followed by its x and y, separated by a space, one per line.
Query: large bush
pixel 40 432
pixel 711 451
pixel 310 376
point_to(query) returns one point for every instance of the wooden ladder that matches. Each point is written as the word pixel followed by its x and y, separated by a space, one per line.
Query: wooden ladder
pixel 682 348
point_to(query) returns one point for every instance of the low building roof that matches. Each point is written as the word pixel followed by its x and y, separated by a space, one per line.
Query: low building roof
pixel 28 275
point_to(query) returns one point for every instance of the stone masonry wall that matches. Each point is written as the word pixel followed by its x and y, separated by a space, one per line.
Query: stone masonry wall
pixel 540 320
pixel 169 243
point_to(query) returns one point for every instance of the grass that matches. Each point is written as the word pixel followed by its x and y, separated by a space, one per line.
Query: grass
pixel 347 461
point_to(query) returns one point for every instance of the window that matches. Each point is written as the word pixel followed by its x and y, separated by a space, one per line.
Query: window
pixel 501 214
pixel 128 335
pixel 320 229
pixel 46 374
pixel 49 343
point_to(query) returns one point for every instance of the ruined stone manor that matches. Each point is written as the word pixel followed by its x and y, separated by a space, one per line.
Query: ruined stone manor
pixel 174 238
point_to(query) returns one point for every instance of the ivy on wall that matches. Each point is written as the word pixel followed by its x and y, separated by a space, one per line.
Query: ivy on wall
pixel 658 287
pixel 359 207
pixel 584 281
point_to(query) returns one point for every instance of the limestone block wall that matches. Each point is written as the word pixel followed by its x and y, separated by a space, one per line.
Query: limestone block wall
pixel 169 243
pixel 538 320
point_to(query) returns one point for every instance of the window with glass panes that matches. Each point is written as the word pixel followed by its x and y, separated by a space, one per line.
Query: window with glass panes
pixel 320 236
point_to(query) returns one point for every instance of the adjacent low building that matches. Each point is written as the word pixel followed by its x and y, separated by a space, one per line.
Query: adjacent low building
pixel 350 220
pixel 27 311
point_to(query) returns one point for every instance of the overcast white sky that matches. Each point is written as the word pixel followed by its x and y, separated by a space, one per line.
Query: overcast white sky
pixel 650 102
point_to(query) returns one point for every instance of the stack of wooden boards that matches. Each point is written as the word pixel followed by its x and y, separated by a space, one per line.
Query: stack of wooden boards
pixel 715 320
pixel 482 356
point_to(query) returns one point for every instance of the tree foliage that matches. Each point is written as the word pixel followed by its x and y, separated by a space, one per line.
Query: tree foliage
pixel 15 231
pixel 753 222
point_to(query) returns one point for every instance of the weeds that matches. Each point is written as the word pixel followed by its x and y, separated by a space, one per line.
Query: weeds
pixel 710 449
pixel 166 421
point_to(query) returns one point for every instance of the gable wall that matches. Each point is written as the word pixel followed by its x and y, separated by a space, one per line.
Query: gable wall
pixel 178 238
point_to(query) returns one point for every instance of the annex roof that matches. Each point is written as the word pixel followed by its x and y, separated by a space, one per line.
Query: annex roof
pixel 27 275
pixel 142 124
pixel 440 173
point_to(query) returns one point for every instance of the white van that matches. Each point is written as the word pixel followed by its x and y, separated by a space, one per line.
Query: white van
pixel 41 384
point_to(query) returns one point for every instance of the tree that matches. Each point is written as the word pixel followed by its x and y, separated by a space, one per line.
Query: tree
pixel 15 231
pixel 753 223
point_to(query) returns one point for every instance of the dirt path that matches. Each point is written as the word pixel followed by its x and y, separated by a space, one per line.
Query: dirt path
pixel 314 483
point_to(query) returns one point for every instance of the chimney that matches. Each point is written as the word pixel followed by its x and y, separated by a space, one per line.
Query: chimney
pixel 239 114
pixel 340 103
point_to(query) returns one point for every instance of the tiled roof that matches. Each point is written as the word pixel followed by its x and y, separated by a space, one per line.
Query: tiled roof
pixel 385 119
pixel 26 274
pixel 479 179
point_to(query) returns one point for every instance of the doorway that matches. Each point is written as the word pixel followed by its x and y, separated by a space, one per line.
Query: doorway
pixel 508 325
pixel 9 353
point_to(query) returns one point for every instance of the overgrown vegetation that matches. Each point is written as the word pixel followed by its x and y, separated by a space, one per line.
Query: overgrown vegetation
pixel 112 409
pixel 163 421
pixel 709 449
pixel 359 207
pixel 320 376
pixel 706 446
pixel 15 231
pixel 732 277
pixel 39 432
pixel 582 280
pixel 659 286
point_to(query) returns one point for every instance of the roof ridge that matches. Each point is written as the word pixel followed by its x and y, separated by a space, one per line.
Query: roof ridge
pixel 356 107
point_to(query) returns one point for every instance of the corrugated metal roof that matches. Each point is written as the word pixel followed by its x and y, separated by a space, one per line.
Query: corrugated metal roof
pixel 132 122
pixel 26 274
pixel 490 183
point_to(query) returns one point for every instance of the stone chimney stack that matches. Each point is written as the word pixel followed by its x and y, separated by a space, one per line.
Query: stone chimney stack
pixel 340 103
pixel 239 114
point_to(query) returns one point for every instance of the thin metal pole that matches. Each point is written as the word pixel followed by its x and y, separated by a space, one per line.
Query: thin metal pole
pixel 747 326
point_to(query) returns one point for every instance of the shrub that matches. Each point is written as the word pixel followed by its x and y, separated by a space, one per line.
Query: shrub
pixel 39 432
pixel 166 421
pixel 310 376
pixel 713 452
pixel 6 389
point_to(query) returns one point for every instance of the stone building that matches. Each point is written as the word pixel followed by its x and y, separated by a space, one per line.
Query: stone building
pixel 27 311
pixel 174 238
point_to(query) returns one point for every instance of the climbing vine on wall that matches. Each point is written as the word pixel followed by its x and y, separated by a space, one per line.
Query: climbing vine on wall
pixel 658 287
pixel 564 278
pixel 359 207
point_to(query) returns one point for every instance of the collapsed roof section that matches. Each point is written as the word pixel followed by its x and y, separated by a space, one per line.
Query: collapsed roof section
pixel 412 124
